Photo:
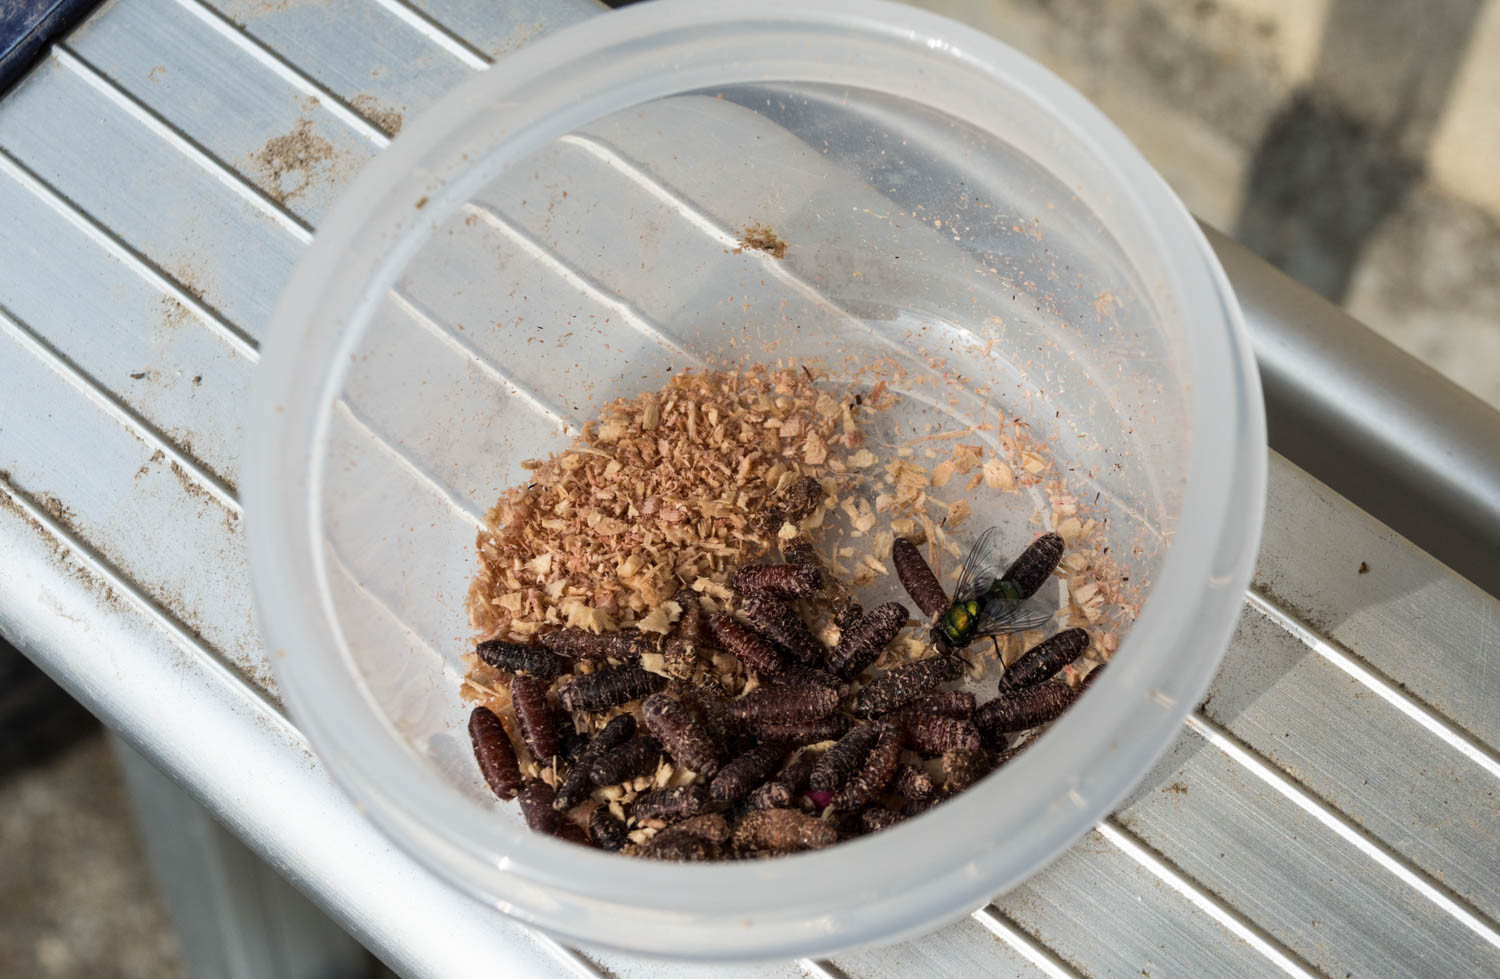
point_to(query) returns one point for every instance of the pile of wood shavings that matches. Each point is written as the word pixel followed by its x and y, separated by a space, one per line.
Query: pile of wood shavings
pixel 674 487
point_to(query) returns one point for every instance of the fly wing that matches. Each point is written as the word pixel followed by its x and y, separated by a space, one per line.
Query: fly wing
pixel 982 565
pixel 1013 615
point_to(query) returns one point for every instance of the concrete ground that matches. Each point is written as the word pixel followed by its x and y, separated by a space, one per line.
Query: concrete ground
pixel 1351 142
pixel 76 899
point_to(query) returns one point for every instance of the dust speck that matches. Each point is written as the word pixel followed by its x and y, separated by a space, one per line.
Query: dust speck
pixel 388 119
pixel 761 238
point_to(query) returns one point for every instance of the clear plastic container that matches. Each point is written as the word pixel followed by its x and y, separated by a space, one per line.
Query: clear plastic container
pixel 562 230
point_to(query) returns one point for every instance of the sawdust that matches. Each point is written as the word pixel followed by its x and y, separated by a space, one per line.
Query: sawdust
pixel 388 119
pixel 288 163
pixel 761 238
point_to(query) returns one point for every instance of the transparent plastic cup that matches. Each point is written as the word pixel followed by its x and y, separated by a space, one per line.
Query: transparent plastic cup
pixel 562 230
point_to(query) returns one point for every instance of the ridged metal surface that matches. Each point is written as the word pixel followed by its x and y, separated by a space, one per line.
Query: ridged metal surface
pixel 1329 809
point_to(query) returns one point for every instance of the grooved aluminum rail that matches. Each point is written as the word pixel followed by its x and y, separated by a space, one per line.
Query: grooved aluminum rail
pixel 1329 809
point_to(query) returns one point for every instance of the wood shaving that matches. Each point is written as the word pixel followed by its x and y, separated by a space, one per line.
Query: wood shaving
pixel 662 490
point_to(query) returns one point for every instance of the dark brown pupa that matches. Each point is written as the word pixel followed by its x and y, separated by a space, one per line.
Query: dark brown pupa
pixel 575 643
pixel 797 733
pixel 781 580
pixel 670 804
pixel 573 833
pixel 839 763
pixel 1024 708
pixel 918 806
pixel 746 645
pixel 797 675
pixel 861 643
pixel 904 683
pixel 783 831
pixel 515 657
pixel 679 657
pixel 630 760
pixel 570 744
pixel 692 624
pixel 911 782
pixel 780 623
pixel 944 703
pixel 528 695
pixel 697 838
pixel 785 704
pixel 876 818
pixel 793 504
pixel 795 773
pixel 1045 659
pixel 930 734
pixel 680 653
pixel 610 686
pixel 494 753
pixel 709 826
pixel 682 734
pixel 683 848
pixel 801 498
pixel 745 772
pixel 536 806
pixel 772 795
pixel 879 767
pixel 963 767
pixel 917 578
pixel 577 783
pixel 712 704
pixel 1030 571
pixel 607 832
pixel 842 606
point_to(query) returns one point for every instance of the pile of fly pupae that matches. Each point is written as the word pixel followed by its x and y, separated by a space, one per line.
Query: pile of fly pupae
pixel 815 751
